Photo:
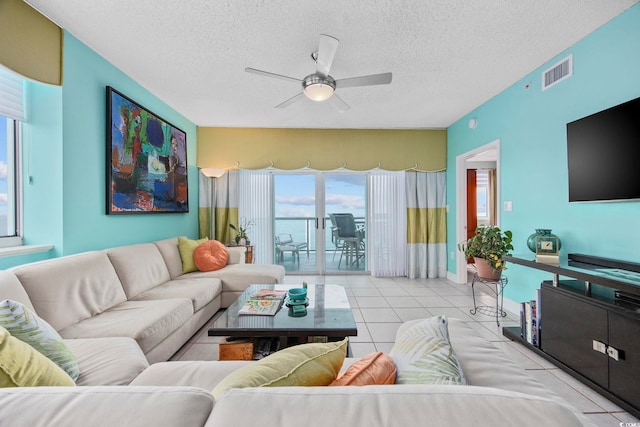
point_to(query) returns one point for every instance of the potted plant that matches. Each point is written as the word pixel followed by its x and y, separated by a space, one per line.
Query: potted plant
pixel 241 231
pixel 487 247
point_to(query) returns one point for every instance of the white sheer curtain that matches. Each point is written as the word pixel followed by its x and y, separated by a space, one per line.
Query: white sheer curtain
pixel 256 205
pixel 387 228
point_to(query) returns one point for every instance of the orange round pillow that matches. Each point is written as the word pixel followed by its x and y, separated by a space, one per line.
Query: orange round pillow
pixel 210 256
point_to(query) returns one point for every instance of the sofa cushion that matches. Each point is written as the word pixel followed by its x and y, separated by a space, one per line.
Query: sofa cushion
pixel 169 250
pixel 383 406
pixel 139 267
pixel 210 256
pixel 374 368
pixel 186 248
pixel 479 358
pixel 25 325
pixel 23 366
pixel 148 322
pixel 11 288
pixel 70 289
pixel 200 291
pixel 107 361
pixel 423 354
pixel 301 365
pixel 195 373
pixel 236 278
pixel 106 406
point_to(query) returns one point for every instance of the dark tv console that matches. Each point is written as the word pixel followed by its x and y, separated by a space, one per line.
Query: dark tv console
pixel 590 323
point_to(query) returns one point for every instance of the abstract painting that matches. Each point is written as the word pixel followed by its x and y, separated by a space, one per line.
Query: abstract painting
pixel 147 160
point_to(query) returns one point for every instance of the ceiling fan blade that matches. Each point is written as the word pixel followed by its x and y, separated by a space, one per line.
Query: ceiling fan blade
pixel 326 53
pixel 291 100
pixel 374 79
pixel 274 75
pixel 339 103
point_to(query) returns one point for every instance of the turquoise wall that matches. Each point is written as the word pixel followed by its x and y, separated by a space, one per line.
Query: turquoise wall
pixel 85 223
pixel 42 174
pixel 531 127
pixel 65 163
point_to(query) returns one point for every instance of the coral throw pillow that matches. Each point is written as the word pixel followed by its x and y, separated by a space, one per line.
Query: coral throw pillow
pixel 375 368
pixel 210 256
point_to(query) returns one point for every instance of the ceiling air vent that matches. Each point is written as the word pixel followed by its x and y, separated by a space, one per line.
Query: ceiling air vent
pixel 558 72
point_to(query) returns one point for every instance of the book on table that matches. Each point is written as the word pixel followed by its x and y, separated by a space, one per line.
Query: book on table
pixel 260 307
pixel 268 294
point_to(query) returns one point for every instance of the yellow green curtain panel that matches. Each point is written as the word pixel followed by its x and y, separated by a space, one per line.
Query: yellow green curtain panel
pixel 426 224
pixel 218 206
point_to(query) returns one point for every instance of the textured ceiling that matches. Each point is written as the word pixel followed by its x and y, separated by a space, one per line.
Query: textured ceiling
pixel 447 56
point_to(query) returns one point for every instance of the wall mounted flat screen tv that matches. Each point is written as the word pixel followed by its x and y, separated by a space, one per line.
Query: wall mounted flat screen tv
pixel 603 152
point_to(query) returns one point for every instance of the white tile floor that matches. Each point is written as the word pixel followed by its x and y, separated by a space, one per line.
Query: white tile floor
pixel 380 305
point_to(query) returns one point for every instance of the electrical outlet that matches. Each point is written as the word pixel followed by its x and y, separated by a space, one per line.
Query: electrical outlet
pixel 508 206
pixel 600 347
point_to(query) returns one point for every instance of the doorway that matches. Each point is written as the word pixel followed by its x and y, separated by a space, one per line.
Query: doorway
pixel 307 240
pixel 468 165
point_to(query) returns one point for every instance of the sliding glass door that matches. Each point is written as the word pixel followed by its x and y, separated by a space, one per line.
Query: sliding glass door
pixel 345 212
pixel 319 222
pixel 295 222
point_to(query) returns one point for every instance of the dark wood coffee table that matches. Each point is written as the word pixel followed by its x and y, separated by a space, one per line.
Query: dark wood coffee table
pixel 328 315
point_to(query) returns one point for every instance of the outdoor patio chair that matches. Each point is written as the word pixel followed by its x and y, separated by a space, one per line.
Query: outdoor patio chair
pixel 285 243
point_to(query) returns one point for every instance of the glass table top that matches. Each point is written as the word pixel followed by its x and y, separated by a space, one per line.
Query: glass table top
pixel 328 314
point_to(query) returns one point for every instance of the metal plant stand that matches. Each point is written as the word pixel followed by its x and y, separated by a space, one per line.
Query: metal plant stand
pixel 497 288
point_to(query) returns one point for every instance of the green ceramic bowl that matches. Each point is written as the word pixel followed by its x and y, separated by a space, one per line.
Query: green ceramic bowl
pixel 297 294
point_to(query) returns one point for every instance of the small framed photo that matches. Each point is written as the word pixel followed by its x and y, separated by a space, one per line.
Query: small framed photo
pixel 547 250
pixel 547 245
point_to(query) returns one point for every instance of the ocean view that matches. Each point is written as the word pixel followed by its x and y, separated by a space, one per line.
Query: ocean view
pixel 303 229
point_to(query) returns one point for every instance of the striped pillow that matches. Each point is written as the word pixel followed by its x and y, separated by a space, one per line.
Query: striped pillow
pixel 423 354
pixel 26 326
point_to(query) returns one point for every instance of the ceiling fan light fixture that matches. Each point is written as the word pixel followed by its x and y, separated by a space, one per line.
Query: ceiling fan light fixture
pixel 318 88
pixel 318 92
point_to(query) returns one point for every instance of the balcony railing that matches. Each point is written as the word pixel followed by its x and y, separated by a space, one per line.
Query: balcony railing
pixel 303 229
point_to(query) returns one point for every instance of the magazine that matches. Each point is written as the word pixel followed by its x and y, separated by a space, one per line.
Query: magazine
pixel 261 307
pixel 268 294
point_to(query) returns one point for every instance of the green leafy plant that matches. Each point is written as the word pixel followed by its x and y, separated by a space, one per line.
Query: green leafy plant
pixel 242 229
pixel 490 243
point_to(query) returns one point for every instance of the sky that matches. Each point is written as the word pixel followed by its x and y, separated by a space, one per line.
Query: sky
pixel 295 194
pixel 3 165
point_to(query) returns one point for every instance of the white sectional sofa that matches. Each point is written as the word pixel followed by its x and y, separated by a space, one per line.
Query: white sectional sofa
pixel 136 291
pixel 178 394
pixel 119 310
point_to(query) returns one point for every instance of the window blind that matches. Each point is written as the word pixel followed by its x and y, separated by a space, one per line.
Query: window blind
pixel 11 95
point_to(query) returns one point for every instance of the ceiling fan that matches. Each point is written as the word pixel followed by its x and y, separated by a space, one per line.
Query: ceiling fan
pixel 320 86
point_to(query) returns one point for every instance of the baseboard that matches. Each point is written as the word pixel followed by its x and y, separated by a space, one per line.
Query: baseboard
pixel 453 277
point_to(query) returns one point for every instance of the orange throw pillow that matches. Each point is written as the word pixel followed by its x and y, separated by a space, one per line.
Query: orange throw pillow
pixel 375 368
pixel 210 255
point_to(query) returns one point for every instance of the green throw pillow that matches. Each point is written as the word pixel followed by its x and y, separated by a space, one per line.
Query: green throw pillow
pixel 26 326
pixel 423 354
pixel 186 248
pixel 301 365
pixel 23 366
